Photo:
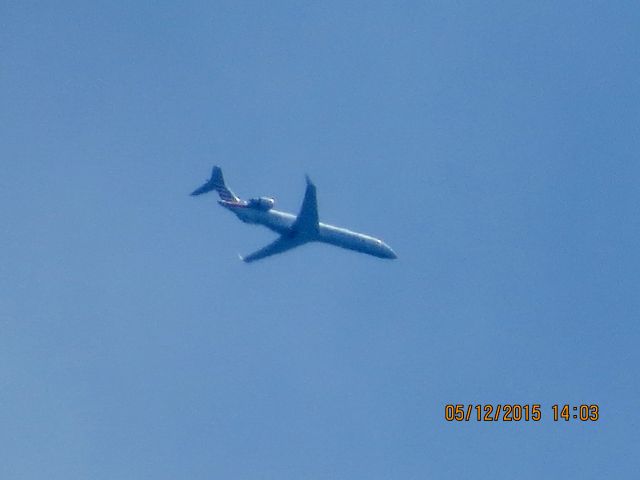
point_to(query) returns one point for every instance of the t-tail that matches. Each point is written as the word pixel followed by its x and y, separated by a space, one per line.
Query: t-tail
pixel 216 182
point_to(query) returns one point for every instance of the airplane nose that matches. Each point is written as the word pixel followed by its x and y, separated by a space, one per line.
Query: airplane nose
pixel 389 253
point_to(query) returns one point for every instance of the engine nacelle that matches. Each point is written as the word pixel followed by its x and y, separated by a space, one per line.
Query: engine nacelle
pixel 262 203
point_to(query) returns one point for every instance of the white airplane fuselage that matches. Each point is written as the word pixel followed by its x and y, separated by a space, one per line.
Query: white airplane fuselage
pixel 281 223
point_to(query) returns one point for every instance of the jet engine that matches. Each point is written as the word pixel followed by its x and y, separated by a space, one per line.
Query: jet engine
pixel 262 203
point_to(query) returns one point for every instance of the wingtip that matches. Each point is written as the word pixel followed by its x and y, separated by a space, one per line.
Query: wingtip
pixel 308 179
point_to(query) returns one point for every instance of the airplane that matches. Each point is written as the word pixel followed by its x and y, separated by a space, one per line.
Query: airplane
pixel 294 230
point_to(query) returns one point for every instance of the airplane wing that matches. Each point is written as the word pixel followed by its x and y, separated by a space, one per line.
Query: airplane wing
pixel 281 244
pixel 307 221
pixel 303 229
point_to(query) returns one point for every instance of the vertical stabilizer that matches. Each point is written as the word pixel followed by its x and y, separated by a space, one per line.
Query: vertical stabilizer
pixel 216 182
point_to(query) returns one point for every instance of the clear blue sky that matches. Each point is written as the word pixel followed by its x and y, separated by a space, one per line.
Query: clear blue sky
pixel 493 145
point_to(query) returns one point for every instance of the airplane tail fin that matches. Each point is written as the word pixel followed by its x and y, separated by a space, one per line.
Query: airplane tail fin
pixel 216 182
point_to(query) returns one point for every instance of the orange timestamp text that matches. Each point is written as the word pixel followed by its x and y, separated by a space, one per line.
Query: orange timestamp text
pixel 516 412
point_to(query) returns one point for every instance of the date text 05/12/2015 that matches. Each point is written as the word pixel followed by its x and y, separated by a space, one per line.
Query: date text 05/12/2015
pixel 515 412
